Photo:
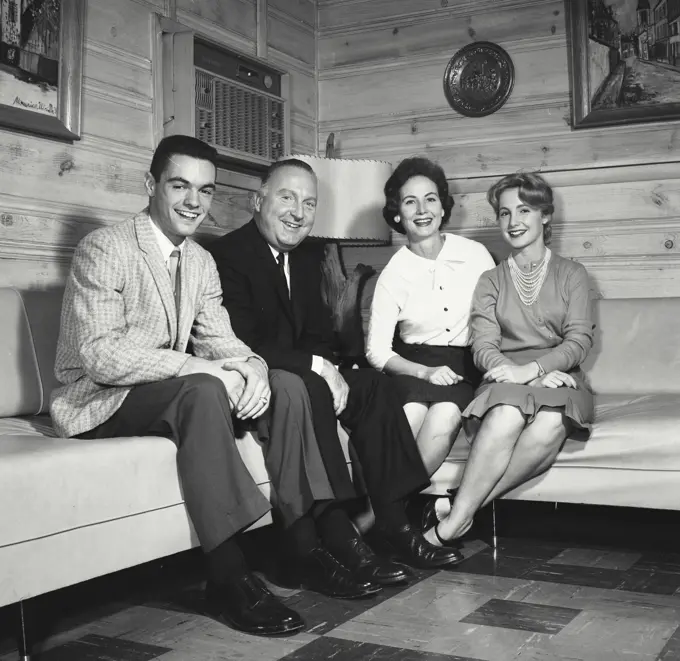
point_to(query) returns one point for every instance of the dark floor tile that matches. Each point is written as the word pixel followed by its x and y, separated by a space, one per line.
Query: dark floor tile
pixel 339 649
pixel 520 615
pixel 103 648
pixel 324 613
pixel 654 582
pixel 665 562
pixel 591 577
pixel 671 650
pixel 500 564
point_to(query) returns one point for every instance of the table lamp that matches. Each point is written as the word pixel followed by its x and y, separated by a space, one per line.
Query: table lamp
pixel 350 199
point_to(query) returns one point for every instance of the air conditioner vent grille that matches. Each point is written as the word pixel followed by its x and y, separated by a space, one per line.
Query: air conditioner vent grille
pixel 238 120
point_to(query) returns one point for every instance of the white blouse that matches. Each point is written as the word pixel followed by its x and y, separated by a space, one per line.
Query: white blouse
pixel 428 298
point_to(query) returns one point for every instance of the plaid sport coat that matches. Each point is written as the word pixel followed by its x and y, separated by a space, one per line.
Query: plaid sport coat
pixel 119 324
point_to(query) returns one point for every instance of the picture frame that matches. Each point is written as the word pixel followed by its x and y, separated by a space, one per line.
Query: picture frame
pixel 34 80
pixel 624 61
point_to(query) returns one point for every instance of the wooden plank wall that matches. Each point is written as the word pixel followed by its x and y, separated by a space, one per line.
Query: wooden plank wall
pixel 53 193
pixel 618 189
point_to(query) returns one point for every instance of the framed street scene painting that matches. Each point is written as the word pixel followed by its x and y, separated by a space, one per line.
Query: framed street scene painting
pixel 625 61
pixel 41 54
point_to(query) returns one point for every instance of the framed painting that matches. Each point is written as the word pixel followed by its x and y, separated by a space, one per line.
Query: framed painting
pixel 625 61
pixel 41 56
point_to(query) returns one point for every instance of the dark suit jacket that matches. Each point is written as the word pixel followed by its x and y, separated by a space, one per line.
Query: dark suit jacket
pixel 285 332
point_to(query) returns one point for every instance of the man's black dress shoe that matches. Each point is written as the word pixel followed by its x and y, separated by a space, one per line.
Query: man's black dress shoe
pixel 368 567
pixel 247 605
pixel 413 549
pixel 321 572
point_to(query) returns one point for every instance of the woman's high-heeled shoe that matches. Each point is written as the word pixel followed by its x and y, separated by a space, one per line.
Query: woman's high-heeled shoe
pixel 431 520
pixel 442 541
pixel 429 516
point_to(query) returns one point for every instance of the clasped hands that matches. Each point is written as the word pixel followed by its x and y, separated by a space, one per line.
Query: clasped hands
pixel 246 383
pixel 526 375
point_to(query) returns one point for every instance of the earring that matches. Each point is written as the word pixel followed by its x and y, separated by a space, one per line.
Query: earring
pixel 397 219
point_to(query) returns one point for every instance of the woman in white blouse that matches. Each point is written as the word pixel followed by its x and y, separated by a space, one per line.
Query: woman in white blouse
pixel 425 291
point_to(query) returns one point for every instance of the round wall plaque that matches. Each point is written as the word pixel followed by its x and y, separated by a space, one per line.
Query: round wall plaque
pixel 478 79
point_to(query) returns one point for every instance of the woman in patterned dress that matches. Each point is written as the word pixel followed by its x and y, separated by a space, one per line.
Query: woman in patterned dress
pixel 531 329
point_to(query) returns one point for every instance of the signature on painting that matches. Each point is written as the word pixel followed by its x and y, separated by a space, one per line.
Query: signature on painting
pixel 36 105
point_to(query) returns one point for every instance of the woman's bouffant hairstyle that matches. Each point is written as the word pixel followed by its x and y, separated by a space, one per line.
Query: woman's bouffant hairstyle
pixel 415 167
pixel 532 189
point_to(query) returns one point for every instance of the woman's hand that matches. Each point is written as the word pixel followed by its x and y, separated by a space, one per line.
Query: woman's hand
pixel 554 379
pixel 441 376
pixel 512 373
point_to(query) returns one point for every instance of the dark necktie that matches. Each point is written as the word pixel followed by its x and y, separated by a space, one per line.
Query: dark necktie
pixel 281 261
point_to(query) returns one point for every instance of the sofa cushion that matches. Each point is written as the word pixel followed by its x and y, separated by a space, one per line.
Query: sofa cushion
pixel 28 337
pixel 20 387
pixel 636 432
pixel 636 347
pixel 63 484
pixel 32 425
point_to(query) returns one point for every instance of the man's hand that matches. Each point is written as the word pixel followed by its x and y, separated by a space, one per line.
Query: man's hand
pixel 254 398
pixel 235 378
pixel 338 386
pixel 511 373
pixel 441 376
pixel 555 379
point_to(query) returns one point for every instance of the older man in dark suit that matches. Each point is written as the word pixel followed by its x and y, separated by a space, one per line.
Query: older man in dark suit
pixel 272 290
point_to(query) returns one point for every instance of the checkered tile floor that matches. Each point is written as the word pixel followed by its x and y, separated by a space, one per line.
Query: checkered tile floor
pixel 528 601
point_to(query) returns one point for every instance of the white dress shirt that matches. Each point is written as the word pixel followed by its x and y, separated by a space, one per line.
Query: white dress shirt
pixel 165 244
pixel 317 361
pixel 428 298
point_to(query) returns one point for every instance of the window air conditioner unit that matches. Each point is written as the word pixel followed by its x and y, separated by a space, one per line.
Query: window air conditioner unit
pixel 234 103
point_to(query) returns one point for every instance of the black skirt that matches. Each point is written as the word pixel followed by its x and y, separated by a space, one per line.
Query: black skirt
pixel 459 359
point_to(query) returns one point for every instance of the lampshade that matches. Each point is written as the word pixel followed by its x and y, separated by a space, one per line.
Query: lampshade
pixel 350 198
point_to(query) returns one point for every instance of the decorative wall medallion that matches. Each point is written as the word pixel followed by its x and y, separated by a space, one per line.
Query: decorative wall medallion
pixel 478 79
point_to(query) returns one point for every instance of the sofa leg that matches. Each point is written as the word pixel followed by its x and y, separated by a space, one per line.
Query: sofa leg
pixel 22 637
pixel 494 537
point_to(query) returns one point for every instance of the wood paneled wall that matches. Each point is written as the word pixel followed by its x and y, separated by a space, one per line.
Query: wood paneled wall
pixel 53 193
pixel 371 72
pixel 381 64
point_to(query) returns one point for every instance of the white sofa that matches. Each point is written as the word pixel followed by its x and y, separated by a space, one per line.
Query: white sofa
pixel 71 510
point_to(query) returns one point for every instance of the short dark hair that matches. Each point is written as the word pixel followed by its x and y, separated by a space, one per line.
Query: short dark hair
pixel 532 190
pixel 180 145
pixel 286 162
pixel 416 166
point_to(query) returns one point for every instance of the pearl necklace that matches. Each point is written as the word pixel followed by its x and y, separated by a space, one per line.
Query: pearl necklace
pixel 528 285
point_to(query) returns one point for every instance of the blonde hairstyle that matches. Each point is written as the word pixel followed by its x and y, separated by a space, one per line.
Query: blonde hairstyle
pixel 532 190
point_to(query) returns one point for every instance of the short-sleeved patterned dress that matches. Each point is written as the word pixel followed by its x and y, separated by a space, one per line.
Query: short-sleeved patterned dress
pixel 556 331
